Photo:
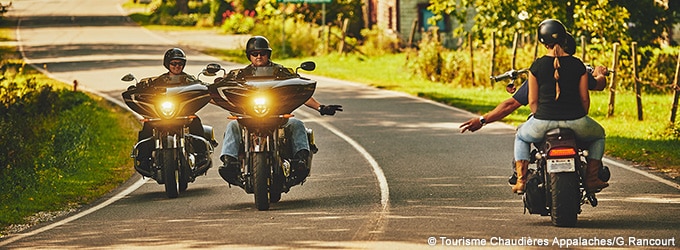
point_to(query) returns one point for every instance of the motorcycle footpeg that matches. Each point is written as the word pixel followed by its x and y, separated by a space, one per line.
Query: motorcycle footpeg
pixel 512 180
pixel 592 199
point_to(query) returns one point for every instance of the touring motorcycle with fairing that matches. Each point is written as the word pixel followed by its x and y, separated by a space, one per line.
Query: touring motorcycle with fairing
pixel 168 104
pixel 262 102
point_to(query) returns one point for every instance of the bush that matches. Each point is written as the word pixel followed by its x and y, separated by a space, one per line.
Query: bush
pixel 659 68
pixel 426 62
pixel 378 41
pixel 238 23
pixel 301 38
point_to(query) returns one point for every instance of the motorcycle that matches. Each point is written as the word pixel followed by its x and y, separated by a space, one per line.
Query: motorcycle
pixel 168 105
pixel 556 186
pixel 262 102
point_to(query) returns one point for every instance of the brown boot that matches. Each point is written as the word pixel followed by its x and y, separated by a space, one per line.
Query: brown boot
pixel 593 183
pixel 521 166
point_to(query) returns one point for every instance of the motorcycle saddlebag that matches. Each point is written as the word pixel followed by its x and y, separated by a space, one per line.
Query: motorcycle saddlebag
pixel 534 195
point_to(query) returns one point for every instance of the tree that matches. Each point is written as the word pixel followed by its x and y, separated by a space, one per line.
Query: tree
pixel 651 22
pixel 648 22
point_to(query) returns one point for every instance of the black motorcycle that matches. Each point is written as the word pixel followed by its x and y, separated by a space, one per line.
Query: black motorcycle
pixel 262 102
pixel 555 187
pixel 168 105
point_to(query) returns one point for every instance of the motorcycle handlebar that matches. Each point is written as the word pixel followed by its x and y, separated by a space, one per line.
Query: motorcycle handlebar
pixel 591 69
pixel 510 74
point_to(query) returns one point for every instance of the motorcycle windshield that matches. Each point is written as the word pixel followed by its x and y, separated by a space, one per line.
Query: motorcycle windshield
pixel 262 96
pixel 185 100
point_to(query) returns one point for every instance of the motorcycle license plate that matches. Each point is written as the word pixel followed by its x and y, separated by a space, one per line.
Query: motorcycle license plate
pixel 561 165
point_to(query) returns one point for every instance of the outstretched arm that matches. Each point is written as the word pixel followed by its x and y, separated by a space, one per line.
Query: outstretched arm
pixel 323 109
pixel 502 110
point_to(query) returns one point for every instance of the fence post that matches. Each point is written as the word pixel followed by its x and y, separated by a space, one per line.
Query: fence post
pixel 493 56
pixel 612 83
pixel 414 27
pixel 345 25
pixel 583 48
pixel 514 50
pixel 676 86
pixel 535 47
pixel 638 83
pixel 472 59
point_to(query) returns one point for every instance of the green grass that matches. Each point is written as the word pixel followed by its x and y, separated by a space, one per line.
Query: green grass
pixel 81 153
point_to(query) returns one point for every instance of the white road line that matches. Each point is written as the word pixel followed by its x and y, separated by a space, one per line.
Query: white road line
pixel 377 170
pixel 113 199
pixel 641 172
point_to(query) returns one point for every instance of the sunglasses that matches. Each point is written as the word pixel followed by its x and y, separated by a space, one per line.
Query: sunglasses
pixel 177 63
pixel 258 53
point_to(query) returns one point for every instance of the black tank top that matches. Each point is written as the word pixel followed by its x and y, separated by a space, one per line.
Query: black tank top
pixel 568 106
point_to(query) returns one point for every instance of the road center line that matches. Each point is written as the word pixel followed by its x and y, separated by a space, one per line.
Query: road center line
pixel 377 170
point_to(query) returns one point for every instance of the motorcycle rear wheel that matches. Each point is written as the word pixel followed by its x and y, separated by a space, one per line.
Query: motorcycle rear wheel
pixel 261 180
pixel 170 173
pixel 566 199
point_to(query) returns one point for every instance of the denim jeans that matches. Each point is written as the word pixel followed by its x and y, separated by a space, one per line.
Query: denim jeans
pixel 586 129
pixel 293 128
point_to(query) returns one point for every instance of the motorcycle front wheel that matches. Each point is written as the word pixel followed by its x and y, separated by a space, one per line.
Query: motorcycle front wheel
pixel 170 173
pixel 566 199
pixel 261 178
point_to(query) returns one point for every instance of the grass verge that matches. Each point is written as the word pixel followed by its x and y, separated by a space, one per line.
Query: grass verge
pixel 73 149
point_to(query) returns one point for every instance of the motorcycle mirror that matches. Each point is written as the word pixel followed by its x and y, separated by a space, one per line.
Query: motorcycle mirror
pixel 308 65
pixel 211 69
pixel 128 78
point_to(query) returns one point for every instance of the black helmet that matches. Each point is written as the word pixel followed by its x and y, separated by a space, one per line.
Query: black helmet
pixel 570 45
pixel 552 31
pixel 173 54
pixel 258 43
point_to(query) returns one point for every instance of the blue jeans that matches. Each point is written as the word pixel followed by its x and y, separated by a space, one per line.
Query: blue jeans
pixel 533 131
pixel 293 128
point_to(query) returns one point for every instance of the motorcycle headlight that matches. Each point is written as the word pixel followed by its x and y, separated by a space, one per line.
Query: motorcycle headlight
pixel 260 106
pixel 167 109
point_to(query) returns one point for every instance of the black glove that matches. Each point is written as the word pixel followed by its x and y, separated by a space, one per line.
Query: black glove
pixel 330 109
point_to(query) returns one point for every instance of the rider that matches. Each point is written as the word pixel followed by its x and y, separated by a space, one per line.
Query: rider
pixel 259 52
pixel 174 60
pixel 596 81
pixel 558 97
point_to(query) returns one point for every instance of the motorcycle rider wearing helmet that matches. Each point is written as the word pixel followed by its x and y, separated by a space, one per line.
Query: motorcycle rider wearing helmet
pixel 174 61
pixel 558 97
pixel 259 53
pixel 596 81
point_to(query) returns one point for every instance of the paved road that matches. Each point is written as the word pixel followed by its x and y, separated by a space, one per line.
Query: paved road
pixel 392 170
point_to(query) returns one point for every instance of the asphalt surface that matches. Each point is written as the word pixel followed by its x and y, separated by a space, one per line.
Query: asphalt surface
pixel 393 171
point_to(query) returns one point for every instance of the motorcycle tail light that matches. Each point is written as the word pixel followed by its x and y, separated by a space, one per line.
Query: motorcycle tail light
pixel 260 106
pixel 557 152
pixel 167 109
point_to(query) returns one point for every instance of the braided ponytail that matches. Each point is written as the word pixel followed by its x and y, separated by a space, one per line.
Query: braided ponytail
pixel 559 51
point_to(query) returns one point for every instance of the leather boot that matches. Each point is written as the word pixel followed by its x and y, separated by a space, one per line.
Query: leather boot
pixel 593 183
pixel 521 166
pixel 230 170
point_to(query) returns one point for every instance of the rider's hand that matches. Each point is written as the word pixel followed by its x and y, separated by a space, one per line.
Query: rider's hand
pixel 600 71
pixel 329 109
pixel 472 125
